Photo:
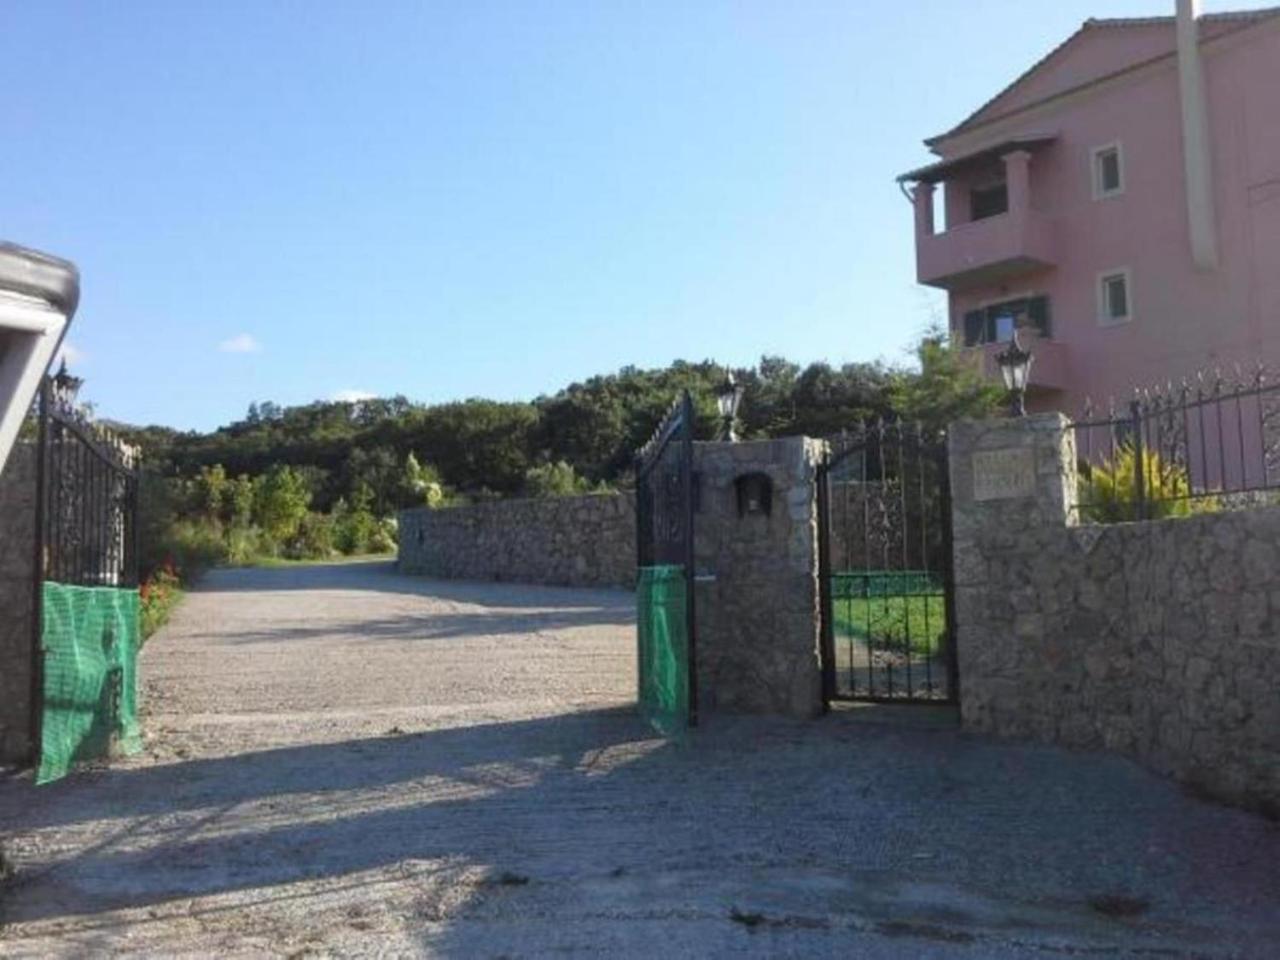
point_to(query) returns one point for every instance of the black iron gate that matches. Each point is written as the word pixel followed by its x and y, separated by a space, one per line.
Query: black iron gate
pixel 666 634
pixel 888 617
pixel 86 513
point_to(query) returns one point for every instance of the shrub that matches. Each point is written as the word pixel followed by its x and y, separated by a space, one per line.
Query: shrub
pixel 1107 493
pixel 314 540
pixel 353 528
pixel 158 595
pixel 280 502
pixel 191 546
pixel 384 538
pixel 557 479
pixel 247 544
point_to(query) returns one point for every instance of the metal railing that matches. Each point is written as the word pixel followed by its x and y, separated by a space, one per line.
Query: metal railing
pixel 1208 444
pixel 87 501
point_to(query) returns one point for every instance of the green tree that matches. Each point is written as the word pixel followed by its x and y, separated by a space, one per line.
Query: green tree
pixel 948 386
pixel 420 484
pixel 238 503
pixel 354 526
pixel 557 479
pixel 280 503
pixel 827 400
pixel 210 488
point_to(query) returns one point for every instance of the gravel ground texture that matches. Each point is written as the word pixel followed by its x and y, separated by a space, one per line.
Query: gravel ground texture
pixel 342 761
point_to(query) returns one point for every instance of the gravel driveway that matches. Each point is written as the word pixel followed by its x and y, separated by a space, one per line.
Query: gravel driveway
pixel 344 761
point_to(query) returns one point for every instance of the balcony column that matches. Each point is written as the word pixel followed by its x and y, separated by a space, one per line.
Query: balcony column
pixel 923 196
pixel 1017 175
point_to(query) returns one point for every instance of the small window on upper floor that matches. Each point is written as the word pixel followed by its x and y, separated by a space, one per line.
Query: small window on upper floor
pixel 1115 297
pixel 1108 171
pixel 997 322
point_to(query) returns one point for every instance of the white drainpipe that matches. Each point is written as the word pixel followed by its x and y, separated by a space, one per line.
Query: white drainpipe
pixel 38 297
pixel 1196 145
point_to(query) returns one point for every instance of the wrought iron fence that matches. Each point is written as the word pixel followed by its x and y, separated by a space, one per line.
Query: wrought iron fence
pixel 87 503
pixel 885 565
pixel 1208 444
pixel 667 624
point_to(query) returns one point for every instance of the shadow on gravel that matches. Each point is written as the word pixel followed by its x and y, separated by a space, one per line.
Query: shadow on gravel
pixel 326 810
pixel 436 626
pixel 322 770
pixel 591 805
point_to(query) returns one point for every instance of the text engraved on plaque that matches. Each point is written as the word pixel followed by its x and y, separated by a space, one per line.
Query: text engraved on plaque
pixel 1004 474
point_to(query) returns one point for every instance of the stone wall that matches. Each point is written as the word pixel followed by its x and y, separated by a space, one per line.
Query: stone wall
pixel 17 625
pixel 758 634
pixel 563 541
pixel 757 596
pixel 1160 639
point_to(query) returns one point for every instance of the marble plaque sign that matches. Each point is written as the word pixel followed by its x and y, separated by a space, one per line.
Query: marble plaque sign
pixel 1004 474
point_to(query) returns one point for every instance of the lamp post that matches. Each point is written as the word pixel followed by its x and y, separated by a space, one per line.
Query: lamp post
pixel 1015 367
pixel 728 399
pixel 66 385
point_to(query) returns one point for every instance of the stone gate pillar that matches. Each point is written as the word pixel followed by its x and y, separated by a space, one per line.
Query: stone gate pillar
pixel 756 543
pixel 1012 490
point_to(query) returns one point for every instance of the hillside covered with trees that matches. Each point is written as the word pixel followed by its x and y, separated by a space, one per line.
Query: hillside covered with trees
pixel 308 480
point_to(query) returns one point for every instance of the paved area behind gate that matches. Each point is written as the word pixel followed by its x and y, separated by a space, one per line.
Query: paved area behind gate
pixel 341 760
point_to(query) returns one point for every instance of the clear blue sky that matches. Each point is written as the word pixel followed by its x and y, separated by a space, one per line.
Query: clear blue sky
pixel 482 199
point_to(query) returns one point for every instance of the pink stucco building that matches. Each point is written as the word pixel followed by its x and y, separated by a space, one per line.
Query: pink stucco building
pixel 1120 203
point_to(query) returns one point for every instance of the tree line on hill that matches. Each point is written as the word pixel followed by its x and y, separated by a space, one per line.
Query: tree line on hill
pixel 311 479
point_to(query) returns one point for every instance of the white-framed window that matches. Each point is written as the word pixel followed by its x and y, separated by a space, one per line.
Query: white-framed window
pixel 1115 297
pixel 1108 170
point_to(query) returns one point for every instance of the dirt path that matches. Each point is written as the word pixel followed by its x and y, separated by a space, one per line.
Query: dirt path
pixel 344 761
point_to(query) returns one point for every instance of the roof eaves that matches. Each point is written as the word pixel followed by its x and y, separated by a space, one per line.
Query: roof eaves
pixel 1224 16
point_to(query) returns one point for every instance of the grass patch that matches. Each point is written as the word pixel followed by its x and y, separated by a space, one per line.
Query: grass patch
pixel 894 622
pixel 314 561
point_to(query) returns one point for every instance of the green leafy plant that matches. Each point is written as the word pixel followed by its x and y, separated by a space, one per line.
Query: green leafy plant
pixel 1108 491
pixel 385 537
pixel 158 595
pixel 245 545
pixel 354 526
pixel 557 479
pixel 314 539
pixel 281 498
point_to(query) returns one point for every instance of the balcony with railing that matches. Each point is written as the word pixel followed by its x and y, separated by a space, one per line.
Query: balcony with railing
pixel 1003 235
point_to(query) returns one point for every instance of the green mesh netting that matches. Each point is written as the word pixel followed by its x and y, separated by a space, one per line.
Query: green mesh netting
pixel 884 583
pixel 664 648
pixel 90 641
